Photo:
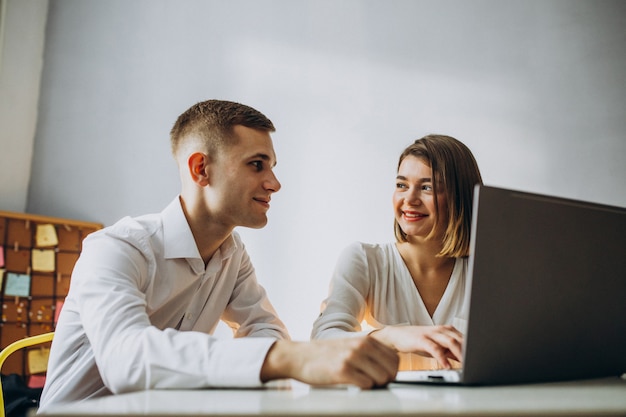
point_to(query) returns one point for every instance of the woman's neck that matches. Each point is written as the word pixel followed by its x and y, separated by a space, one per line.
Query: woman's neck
pixel 430 273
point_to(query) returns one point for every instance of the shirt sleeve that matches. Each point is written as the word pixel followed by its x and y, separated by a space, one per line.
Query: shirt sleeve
pixel 343 310
pixel 249 311
pixel 130 353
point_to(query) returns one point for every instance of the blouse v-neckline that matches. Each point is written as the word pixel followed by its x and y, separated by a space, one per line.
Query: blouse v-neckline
pixel 420 314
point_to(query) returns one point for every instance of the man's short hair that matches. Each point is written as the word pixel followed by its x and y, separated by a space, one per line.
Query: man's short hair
pixel 210 123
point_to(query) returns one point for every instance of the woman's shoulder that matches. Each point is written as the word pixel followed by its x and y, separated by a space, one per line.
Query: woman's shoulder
pixel 370 250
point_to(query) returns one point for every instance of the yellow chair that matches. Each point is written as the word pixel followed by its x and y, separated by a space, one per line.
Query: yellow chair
pixel 15 346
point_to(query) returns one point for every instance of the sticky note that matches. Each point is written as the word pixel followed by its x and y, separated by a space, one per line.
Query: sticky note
pixel 46 235
pixel 1 256
pixel 57 311
pixel 18 285
pixel 36 381
pixel 38 360
pixel 43 260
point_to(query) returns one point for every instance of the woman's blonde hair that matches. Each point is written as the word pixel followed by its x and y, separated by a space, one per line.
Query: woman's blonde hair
pixel 456 171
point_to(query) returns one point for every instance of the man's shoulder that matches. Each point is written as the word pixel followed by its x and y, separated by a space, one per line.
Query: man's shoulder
pixel 131 229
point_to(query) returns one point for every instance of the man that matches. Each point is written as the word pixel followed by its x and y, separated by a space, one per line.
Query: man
pixel 147 292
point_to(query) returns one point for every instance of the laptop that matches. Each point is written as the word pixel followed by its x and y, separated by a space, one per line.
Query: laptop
pixel 548 292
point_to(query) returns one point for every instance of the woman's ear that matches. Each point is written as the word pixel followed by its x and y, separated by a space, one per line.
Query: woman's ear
pixel 198 164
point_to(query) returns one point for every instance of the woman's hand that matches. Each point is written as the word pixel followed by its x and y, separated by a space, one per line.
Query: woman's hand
pixel 440 342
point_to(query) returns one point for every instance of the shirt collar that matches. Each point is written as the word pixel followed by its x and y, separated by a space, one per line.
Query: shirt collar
pixel 178 240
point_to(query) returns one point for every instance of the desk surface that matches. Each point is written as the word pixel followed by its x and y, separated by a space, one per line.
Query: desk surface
pixel 606 397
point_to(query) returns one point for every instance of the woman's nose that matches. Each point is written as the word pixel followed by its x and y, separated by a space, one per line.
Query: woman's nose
pixel 414 197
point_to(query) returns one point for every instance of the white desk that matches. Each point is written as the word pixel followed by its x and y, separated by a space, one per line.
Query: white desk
pixel 606 397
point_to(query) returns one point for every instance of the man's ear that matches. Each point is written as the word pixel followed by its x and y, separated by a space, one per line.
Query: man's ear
pixel 198 164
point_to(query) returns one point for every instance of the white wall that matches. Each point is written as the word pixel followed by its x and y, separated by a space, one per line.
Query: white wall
pixel 535 88
pixel 22 25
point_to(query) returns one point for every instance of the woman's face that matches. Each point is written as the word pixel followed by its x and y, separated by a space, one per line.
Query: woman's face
pixel 414 198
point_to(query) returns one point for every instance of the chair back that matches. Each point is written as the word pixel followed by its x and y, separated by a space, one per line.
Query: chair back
pixel 15 346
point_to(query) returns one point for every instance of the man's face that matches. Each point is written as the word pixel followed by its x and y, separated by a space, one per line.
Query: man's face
pixel 242 179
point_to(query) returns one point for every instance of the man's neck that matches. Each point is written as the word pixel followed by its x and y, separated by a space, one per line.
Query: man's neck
pixel 208 235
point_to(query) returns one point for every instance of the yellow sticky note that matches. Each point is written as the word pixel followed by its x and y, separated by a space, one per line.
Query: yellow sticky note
pixel 43 260
pixel 38 360
pixel 46 235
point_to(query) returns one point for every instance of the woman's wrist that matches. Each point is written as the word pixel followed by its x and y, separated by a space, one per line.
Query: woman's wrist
pixel 382 335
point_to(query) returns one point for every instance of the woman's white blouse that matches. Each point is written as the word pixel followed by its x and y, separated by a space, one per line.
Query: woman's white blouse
pixel 371 287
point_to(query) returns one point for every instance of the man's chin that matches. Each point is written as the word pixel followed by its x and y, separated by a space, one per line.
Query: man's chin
pixel 256 224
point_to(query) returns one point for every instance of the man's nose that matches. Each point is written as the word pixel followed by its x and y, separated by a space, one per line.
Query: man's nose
pixel 272 183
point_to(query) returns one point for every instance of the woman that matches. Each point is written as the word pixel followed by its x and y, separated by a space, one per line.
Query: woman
pixel 413 292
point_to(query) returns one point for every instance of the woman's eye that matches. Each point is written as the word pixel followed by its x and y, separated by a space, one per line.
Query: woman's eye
pixel 427 187
pixel 398 185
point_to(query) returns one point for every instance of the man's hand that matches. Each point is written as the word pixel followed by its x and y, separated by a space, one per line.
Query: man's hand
pixel 440 342
pixel 361 361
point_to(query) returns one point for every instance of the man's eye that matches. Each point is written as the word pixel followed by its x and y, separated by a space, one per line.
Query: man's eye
pixel 257 164
pixel 399 185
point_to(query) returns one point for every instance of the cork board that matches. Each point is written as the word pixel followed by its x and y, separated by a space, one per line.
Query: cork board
pixel 37 255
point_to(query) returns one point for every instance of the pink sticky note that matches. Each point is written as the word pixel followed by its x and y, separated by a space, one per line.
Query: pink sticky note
pixel 57 311
pixel 36 381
